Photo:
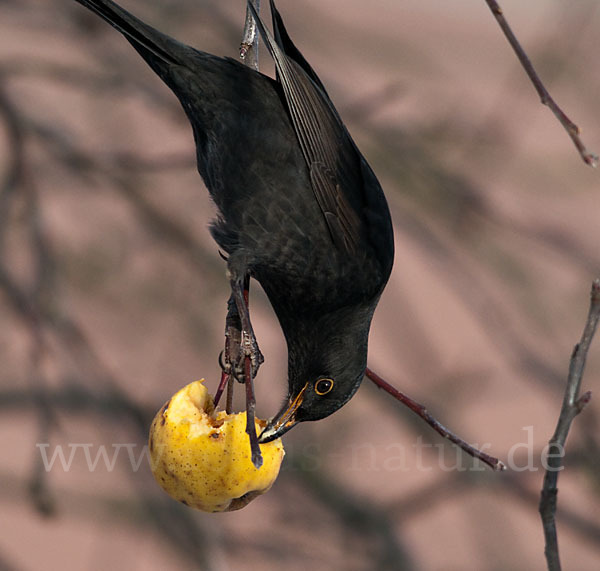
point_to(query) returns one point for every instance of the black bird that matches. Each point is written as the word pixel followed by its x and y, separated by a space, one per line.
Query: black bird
pixel 299 208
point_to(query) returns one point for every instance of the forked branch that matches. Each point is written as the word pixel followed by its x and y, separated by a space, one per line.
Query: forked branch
pixel 573 404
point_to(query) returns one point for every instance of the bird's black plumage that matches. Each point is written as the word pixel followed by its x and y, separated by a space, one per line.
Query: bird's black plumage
pixel 299 208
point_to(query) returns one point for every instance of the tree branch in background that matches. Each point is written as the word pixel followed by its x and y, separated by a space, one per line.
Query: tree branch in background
pixel 572 405
pixel 571 128
pixel 421 411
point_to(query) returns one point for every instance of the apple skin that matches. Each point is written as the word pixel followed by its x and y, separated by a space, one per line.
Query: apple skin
pixel 201 457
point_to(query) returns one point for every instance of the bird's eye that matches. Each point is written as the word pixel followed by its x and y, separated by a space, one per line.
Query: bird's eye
pixel 323 386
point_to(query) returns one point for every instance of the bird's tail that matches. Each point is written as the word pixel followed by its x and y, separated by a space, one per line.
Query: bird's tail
pixel 152 45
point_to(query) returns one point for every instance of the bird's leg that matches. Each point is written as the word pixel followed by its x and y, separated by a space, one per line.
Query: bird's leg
pixel 246 346
pixel 241 357
pixel 226 381
pixel 230 357
pixel 257 459
pixel 252 359
pixel 240 342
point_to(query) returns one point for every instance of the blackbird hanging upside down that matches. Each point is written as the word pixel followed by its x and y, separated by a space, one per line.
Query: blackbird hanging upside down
pixel 299 208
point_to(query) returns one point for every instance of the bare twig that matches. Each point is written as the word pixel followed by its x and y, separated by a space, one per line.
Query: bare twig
pixel 572 405
pixel 545 97
pixel 421 411
pixel 586 528
pixel 249 45
pixel 14 172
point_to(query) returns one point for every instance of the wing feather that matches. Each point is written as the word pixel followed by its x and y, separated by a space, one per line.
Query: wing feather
pixel 332 159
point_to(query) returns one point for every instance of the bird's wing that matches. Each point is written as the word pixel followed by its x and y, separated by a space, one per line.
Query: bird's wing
pixel 284 41
pixel 330 154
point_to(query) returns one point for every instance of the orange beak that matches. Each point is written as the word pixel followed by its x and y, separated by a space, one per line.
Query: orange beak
pixel 283 421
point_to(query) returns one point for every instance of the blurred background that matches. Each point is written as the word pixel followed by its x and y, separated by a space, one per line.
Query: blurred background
pixel 113 294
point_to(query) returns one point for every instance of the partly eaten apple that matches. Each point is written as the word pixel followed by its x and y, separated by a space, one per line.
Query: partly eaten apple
pixel 202 457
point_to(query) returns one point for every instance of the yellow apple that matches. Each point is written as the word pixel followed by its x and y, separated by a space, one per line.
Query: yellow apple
pixel 201 457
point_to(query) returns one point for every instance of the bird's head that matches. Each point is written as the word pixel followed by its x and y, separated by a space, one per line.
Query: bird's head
pixel 325 369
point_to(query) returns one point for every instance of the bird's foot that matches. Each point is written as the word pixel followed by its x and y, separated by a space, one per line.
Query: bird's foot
pixel 250 350
pixel 240 360
pixel 239 346
pixel 227 375
pixel 240 340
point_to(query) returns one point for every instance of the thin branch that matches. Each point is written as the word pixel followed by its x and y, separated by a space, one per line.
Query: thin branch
pixel 249 45
pixel 15 169
pixel 586 528
pixel 572 405
pixel 421 411
pixel 545 97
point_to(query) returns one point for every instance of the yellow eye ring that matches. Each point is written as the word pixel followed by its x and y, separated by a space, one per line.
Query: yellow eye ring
pixel 323 386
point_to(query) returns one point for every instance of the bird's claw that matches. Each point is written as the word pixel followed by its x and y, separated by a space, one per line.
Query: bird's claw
pixel 250 349
pixel 240 360
pixel 239 345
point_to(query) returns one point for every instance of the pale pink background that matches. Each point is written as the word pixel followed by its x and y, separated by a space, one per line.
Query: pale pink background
pixel 497 238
